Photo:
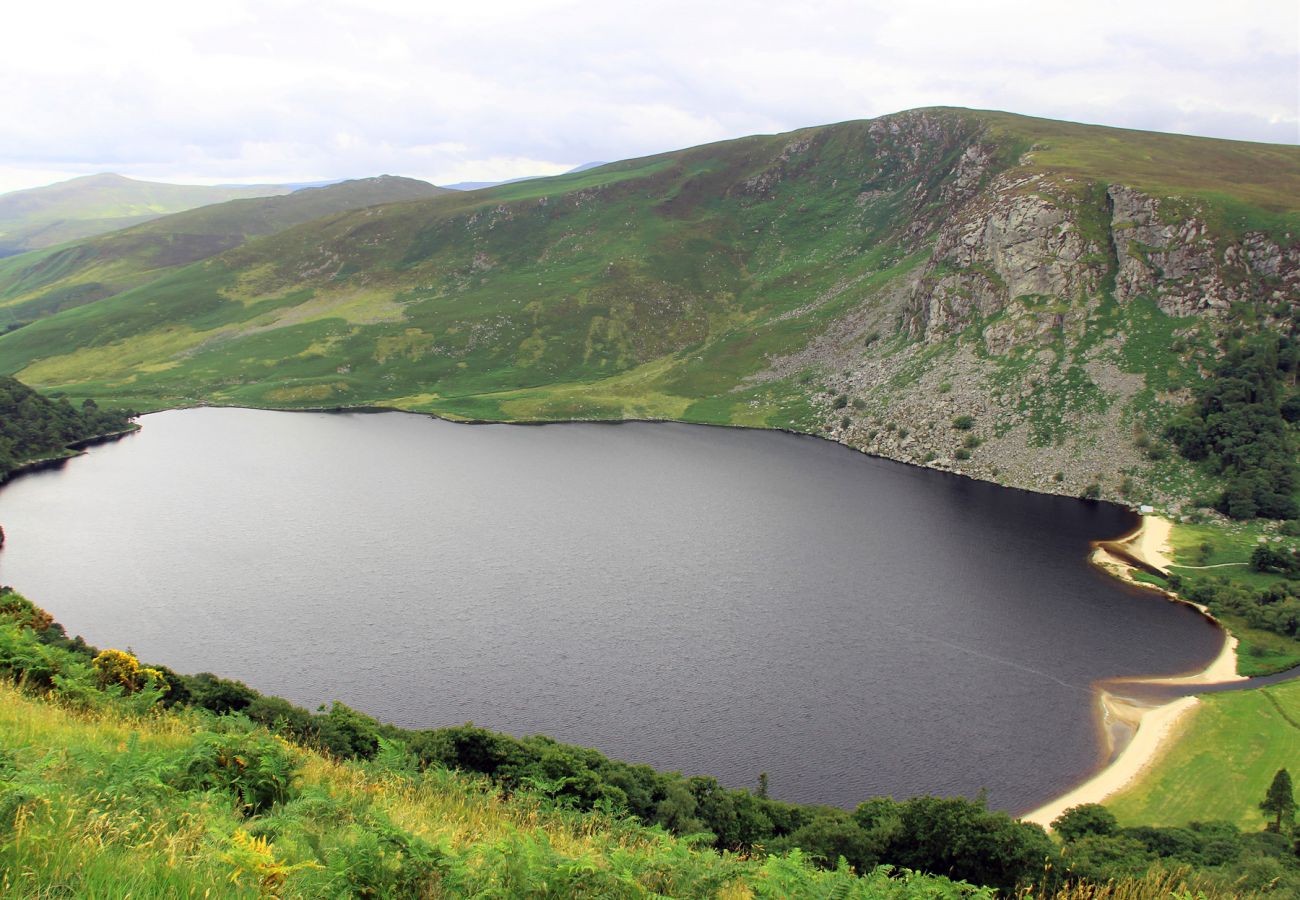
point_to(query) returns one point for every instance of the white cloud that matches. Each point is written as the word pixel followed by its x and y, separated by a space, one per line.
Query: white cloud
pixel 295 90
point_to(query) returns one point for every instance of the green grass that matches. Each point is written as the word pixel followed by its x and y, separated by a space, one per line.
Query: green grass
pixel 88 809
pixel 1222 763
pixel 1264 176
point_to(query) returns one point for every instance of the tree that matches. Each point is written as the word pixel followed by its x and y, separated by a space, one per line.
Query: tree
pixel 1085 819
pixel 1279 802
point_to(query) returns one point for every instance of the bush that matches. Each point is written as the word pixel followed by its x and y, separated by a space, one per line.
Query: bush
pixel 841 401
pixel 1092 492
pixel 348 733
pixel 1085 819
pixel 254 767
pixel 219 695
pixel 385 861
pixel 1270 559
pixel 963 423
pixel 23 612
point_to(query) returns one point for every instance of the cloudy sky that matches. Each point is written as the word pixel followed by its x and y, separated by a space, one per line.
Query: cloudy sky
pixel 281 90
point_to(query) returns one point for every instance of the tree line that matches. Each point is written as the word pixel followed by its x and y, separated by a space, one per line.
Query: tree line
pixel 1240 427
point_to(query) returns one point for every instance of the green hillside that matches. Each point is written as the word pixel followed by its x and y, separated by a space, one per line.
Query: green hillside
pixel 93 204
pixel 42 283
pixel 1061 285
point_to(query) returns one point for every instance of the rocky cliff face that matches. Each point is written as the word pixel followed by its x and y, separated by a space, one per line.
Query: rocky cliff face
pixel 1032 317
pixel 1022 238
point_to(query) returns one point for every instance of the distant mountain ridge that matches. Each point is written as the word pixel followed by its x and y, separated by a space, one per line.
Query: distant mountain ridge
pixel 479 185
pixel 1016 299
pixel 41 217
pixel 43 282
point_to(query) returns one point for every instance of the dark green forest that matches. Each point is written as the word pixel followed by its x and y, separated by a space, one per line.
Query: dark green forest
pixel 33 426
pixel 1240 426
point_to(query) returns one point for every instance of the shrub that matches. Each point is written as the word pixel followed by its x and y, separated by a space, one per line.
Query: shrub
pixel 257 769
pixel 348 733
pixel 1085 819
pixel 962 453
pixel 385 861
pixel 117 668
pixel 22 612
pixel 841 401
pixel 218 694
pixel 1092 492
pixel 963 423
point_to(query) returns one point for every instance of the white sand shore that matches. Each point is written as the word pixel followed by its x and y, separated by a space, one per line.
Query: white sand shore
pixel 1152 541
pixel 1154 726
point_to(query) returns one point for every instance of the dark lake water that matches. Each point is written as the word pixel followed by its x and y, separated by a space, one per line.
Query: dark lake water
pixel 701 599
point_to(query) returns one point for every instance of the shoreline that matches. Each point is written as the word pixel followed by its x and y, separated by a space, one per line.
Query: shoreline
pixel 70 451
pixel 1153 727
pixel 1150 727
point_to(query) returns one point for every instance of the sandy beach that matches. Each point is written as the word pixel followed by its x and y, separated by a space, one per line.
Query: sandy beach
pixel 1153 726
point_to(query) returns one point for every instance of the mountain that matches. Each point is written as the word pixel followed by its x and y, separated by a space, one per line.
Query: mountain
pixel 1018 299
pixel 94 204
pixel 37 284
pixel 478 185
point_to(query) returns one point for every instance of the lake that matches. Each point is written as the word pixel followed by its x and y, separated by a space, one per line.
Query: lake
pixel 708 600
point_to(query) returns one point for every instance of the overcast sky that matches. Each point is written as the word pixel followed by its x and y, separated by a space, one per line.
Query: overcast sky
pixel 280 90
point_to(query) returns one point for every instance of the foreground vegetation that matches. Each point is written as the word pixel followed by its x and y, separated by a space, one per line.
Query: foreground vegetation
pixel 117 778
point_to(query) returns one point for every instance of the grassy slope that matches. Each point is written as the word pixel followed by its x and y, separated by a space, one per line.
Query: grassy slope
pixel 83 806
pixel 39 284
pixel 489 297
pixel 1222 763
pixel 93 204
pixel 1264 176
